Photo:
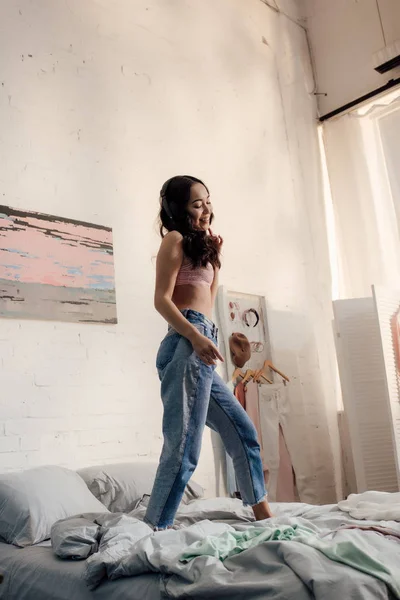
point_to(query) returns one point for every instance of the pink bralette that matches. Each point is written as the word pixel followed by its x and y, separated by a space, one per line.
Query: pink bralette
pixel 198 276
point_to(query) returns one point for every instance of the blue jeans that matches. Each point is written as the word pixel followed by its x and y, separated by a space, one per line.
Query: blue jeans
pixel 194 395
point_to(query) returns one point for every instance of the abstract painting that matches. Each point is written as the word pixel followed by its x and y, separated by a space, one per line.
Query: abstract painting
pixel 55 269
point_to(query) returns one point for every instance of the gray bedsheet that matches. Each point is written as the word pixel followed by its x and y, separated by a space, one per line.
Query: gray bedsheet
pixel 125 547
pixel 35 573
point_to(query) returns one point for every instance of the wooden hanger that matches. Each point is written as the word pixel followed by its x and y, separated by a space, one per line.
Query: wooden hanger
pixel 237 373
pixel 250 374
pixel 269 364
pixel 247 376
pixel 258 376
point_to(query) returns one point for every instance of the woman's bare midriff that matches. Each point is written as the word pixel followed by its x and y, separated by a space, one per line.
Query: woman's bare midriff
pixel 196 297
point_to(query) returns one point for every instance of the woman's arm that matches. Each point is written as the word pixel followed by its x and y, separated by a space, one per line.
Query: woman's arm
pixel 169 261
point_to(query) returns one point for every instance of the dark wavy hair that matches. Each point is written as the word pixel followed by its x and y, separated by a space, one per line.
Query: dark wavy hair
pixel 198 247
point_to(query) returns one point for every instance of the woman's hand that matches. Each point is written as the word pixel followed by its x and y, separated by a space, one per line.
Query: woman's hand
pixel 206 350
pixel 218 239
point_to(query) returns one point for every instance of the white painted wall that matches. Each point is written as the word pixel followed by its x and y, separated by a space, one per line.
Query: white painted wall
pixel 344 35
pixel 100 102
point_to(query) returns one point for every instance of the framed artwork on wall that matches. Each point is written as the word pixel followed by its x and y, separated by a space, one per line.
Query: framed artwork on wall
pixel 53 268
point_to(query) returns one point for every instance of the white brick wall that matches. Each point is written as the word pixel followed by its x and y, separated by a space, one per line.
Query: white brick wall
pixel 115 98
pixel 68 396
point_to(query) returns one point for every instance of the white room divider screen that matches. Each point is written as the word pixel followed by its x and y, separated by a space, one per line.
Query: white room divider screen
pixel 368 371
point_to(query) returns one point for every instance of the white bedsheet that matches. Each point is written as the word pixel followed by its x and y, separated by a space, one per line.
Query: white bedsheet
pixel 374 506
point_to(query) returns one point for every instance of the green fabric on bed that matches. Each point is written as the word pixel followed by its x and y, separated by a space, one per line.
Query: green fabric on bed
pixel 349 553
pixel 233 542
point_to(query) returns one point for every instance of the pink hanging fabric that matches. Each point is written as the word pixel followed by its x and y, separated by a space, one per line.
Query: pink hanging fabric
pixel 240 394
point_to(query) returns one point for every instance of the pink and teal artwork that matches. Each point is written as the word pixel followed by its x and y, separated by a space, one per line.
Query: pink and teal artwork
pixel 55 269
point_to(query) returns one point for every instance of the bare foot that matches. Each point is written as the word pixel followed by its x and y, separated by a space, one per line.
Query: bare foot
pixel 262 511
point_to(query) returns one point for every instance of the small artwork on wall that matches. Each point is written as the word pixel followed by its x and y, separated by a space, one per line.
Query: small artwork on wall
pixel 53 268
pixel 243 315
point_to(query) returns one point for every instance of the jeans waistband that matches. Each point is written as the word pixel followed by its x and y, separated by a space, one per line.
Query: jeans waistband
pixel 197 318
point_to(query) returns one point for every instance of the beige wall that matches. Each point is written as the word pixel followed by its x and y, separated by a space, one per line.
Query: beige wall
pixel 115 98
pixel 344 36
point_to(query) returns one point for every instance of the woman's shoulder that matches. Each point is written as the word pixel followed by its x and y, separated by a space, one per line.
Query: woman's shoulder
pixel 171 244
pixel 173 237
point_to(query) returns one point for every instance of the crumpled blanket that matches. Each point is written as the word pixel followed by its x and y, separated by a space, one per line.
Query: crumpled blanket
pixel 375 506
pixel 347 552
pixel 122 545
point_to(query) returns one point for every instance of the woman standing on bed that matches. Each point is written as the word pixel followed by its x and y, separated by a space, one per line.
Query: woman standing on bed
pixel 192 392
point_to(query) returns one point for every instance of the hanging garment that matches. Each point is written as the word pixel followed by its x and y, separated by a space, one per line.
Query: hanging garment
pixel 286 485
pixel 231 483
pixel 240 394
pixel 273 410
pixel 252 407
pixel 247 395
pixel 253 410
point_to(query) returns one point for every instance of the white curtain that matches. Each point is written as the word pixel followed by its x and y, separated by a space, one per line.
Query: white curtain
pixel 389 126
pixel 365 221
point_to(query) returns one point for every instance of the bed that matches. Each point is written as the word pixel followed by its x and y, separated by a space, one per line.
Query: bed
pixel 304 552
pixel 35 573
pixel 280 570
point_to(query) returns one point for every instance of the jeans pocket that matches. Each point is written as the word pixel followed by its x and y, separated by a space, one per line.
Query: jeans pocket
pixel 167 350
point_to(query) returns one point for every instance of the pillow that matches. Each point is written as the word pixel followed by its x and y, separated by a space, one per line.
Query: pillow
pixel 32 501
pixel 120 486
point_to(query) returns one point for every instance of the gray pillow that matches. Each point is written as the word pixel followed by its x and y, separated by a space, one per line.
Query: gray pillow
pixel 120 486
pixel 32 501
